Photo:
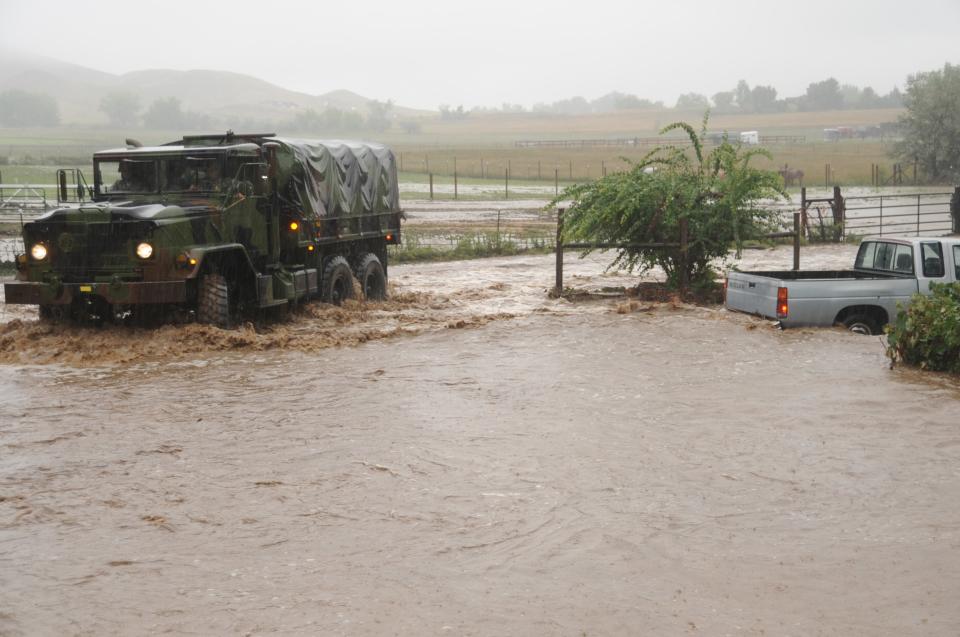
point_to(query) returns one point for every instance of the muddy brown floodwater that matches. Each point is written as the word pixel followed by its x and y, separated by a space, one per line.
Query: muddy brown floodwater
pixel 521 466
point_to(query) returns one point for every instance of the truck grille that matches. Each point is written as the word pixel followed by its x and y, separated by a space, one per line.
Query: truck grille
pixel 83 251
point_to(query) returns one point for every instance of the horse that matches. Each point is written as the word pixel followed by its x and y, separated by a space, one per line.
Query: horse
pixel 791 176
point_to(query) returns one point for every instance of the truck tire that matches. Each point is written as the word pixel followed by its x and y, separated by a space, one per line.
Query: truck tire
pixel 862 324
pixel 373 282
pixel 213 301
pixel 337 283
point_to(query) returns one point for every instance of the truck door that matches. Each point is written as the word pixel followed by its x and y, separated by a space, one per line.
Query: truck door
pixel 931 268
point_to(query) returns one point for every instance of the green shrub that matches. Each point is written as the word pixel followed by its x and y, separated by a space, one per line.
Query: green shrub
pixel 927 334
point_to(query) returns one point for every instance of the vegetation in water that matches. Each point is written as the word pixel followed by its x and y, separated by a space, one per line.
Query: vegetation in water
pixel 717 193
pixel 927 334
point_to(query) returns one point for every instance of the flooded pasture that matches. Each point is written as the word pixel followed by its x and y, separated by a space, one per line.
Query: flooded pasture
pixel 473 457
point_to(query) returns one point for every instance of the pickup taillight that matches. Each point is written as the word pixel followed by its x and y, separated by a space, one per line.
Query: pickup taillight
pixel 783 307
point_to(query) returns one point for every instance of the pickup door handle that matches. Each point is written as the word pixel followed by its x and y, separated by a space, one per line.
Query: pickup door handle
pixel 752 285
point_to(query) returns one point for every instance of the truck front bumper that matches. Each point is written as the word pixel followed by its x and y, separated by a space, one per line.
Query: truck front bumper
pixel 115 293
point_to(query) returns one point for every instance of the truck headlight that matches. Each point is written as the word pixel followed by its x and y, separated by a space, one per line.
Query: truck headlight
pixel 38 252
pixel 144 250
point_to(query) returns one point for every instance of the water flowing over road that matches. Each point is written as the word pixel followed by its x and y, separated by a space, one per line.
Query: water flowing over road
pixel 475 458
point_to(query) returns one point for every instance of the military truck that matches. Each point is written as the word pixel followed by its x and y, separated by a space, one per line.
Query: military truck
pixel 214 227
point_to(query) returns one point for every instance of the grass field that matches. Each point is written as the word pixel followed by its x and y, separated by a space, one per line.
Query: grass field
pixel 482 147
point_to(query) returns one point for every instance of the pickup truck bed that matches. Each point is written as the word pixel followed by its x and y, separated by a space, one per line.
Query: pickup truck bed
pixel 887 273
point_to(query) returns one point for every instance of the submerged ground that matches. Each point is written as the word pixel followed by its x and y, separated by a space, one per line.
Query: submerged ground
pixel 475 458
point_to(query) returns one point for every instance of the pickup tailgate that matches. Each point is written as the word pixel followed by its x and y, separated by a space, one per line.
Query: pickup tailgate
pixel 752 293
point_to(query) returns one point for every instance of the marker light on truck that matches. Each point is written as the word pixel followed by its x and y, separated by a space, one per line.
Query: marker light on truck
pixel 782 305
pixel 38 252
pixel 144 250
pixel 294 226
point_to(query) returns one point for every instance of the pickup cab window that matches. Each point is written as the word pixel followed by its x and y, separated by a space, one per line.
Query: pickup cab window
pixel 956 262
pixel 932 255
pixel 888 257
pixel 903 260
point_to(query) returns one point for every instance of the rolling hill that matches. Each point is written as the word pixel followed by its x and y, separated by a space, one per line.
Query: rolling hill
pixel 220 94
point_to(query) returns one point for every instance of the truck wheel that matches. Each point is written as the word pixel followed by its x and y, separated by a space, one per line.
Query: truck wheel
pixel 337 281
pixel 862 324
pixel 213 301
pixel 373 282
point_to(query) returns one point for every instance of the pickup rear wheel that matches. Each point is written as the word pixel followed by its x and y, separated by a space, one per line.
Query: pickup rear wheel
pixel 337 282
pixel 862 324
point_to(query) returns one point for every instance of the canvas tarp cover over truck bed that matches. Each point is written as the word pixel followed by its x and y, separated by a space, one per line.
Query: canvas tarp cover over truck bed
pixel 341 178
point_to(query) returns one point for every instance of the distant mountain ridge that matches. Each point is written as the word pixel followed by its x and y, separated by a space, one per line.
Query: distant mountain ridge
pixel 223 95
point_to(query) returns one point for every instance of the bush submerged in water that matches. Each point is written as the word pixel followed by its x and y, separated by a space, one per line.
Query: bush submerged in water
pixel 927 334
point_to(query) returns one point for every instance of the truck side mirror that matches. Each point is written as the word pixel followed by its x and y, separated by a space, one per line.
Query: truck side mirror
pixel 62 195
pixel 270 150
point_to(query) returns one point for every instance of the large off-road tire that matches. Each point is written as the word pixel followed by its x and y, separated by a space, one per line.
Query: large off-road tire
pixel 373 282
pixel 337 284
pixel 862 324
pixel 213 301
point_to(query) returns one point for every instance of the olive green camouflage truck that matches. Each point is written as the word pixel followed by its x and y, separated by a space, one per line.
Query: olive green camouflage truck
pixel 214 227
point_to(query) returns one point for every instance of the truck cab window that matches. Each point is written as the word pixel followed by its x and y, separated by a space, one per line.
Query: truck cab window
pixel 127 176
pixel 956 262
pixel 883 260
pixel 192 174
pixel 865 255
pixel 932 260
pixel 903 260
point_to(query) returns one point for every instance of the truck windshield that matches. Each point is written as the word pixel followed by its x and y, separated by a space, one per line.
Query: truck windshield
pixel 192 174
pixel 127 176
pixel 203 174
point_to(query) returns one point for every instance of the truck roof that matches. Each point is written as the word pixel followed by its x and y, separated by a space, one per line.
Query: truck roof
pixel 913 240
pixel 170 149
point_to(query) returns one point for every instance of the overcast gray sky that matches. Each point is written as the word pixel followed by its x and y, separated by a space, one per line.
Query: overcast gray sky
pixel 422 53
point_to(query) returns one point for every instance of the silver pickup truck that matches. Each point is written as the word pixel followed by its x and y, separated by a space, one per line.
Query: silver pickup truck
pixel 864 299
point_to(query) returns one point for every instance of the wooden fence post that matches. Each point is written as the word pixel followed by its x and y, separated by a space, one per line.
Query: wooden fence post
pixel 804 223
pixel 955 209
pixel 506 183
pixel 796 241
pixel 684 279
pixel 839 211
pixel 431 185
pixel 558 285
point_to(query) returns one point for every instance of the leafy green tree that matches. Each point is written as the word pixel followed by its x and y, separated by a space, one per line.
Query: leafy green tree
pixel 743 96
pixel 378 117
pixel 121 108
pixel 692 101
pixel 164 113
pixel 764 99
pixel 931 125
pixel 824 96
pixel 723 101
pixel 717 193
pixel 19 109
